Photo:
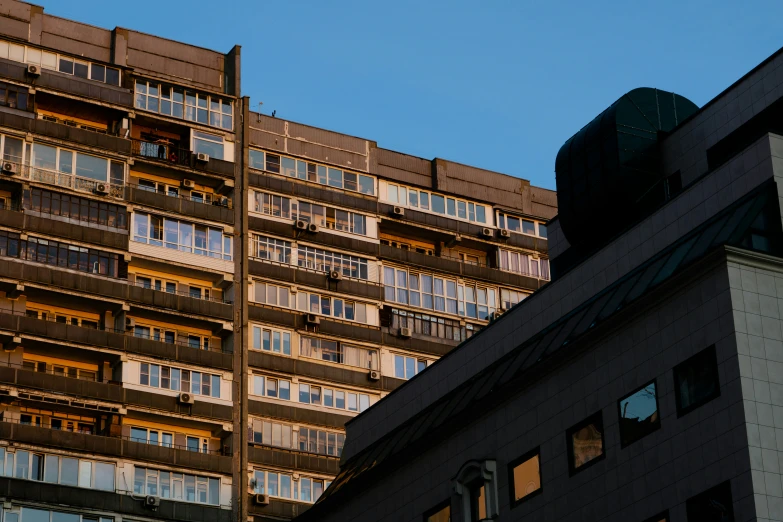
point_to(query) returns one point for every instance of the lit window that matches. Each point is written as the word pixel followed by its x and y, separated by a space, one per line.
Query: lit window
pixel 525 477
pixel 585 443
pixel 441 513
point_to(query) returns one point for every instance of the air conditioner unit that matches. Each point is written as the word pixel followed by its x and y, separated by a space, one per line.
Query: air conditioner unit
pixel 101 188
pixel 486 232
pixel 374 375
pixel 188 183
pixel 335 275
pixel 151 502
pixel 33 70
pixel 405 332
pixel 186 398
pixel 312 319
pixel 203 158
pixel 504 232
pixel 398 211
pixel 260 499
pixel 312 227
pixel 10 168
pixel 130 323
pixel 301 224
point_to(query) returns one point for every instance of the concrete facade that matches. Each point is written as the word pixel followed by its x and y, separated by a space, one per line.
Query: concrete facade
pixel 195 298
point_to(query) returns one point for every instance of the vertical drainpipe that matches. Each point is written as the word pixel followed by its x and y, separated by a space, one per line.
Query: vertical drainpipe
pixel 240 497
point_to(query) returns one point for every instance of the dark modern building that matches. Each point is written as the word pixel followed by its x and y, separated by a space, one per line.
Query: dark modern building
pixel 195 298
pixel 645 381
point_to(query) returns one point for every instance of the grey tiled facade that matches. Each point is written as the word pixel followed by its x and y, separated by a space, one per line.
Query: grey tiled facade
pixel 729 298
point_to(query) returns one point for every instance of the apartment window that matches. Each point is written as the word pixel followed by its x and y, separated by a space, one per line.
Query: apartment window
pixel 176 486
pixel 13 96
pixel 48 60
pixel 429 325
pixel 276 250
pixel 312 172
pixel 272 387
pixel 435 203
pixel 521 225
pixel 696 381
pixel 639 414
pixel 155 334
pixel 525 477
pixel 441 513
pixel 59 254
pixel 407 367
pixel 176 379
pixel 320 441
pixel 185 104
pixel 160 188
pixel 272 433
pixel 183 236
pixel 509 298
pixel 332 306
pixel 29 514
pixel 585 443
pixel 713 505
pixel 272 205
pixel 208 144
pixel 329 217
pixel 73 207
pixel 56 469
pixel 336 352
pixel 439 294
pixel 272 294
pixel 311 489
pixel 325 261
pixel 48 161
pixel 272 340
pixel 332 398
pixel 154 437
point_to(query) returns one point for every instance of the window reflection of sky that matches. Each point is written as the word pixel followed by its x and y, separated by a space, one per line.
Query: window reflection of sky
pixel 640 405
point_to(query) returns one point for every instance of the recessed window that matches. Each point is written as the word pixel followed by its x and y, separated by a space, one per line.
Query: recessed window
pixel 696 381
pixel 525 477
pixel 441 513
pixel 585 443
pixel 639 414
pixel 714 505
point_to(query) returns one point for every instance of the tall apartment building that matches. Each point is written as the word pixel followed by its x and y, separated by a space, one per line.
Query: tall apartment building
pixel 194 299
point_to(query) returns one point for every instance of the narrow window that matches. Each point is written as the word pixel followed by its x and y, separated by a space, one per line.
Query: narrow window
pixel 525 477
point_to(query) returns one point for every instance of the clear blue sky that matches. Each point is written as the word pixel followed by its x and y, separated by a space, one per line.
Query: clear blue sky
pixel 496 84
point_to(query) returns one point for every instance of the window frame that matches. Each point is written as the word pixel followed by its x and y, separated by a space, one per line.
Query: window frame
pixel 437 509
pixel 514 502
pixel 710 352
pixel 657 424
pixel 572 470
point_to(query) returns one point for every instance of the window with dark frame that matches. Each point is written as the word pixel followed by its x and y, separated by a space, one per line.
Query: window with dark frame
pixel 696 381
pixel 660 517
pixel 713 505
pixel 524 477
pixel 440 513
pixel 638 414
pixel 585 442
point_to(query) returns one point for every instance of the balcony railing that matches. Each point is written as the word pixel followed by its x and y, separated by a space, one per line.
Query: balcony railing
pixel 183 294
pixel 130 333
pixel 88 429
pixel 52 371
pixel 169 153
pixel 216 199
pixel 66 180
pixel 308 267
